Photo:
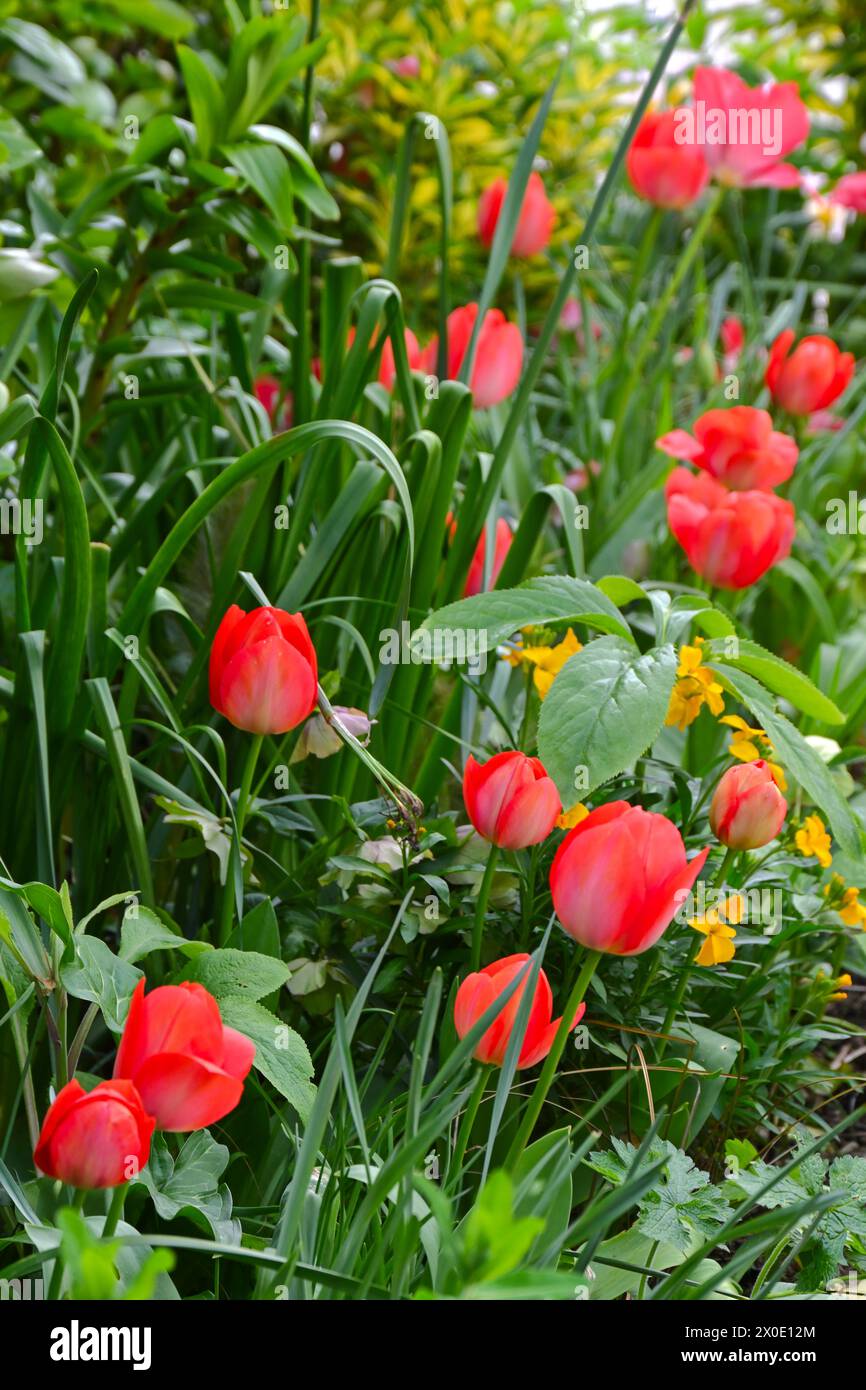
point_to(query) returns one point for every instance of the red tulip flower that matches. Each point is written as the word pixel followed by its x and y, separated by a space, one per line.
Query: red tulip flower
pixel 387 367
pixel 263 672
pixel 188 1067
pixel 510 800
pixel 850 192
pixel 619 878
pixel 98 1138
pixel 745 132
pixel 268 391
pixel 534 225
pixel 498 358
pixel 738 447
pixel 730 538
pixel 747 809
pixel 733 339
pixel 811 377
pixel 479 991
pixel 662 170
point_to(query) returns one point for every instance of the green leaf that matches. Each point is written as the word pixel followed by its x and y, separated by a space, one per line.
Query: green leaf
pixel 164 17
pixel 537 603
pixel 99 976
pixel 796 755
pixel 603 711
pixel 205 99
pixel 777 675
pixel 142 932
pixel 190 1183
pixel 238 974
pixel 266 170
pixel 281 1053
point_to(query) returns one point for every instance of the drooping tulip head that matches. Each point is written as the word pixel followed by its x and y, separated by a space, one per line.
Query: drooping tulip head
pixel 619 878
pixel 478 992
pixel 510 800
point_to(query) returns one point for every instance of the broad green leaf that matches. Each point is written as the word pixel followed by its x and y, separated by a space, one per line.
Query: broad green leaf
pixel 142 932
pixel 205 98
pixel 537 603
pixel 190 1183
pixel 238 974
pixel 266 170
pixel 99 976
pixel 281 1053
pixel 603 711
pixel 777 675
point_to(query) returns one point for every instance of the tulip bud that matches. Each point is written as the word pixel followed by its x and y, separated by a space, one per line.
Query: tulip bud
pixel 619 877
pixel 811 377
pixel 98 1138
pixel 534 225
pixel 477 993
pixel 510 800
pixel 747 809
pixel 188 1067
pixel 263 672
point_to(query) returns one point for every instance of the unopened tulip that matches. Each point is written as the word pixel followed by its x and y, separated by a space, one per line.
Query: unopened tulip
pixel 730 538
pixel 745 132
pixel 268 391
pixel 263 672
pixel 188 1067
pixel 619 878
pixel 478 992
pixel 534 225
pixel 811 377
pixel 498 358
pixel 661 169
pixel 98 1138
pixel 738 447
pixel 747 809
pixel 510 800
pixel 732 336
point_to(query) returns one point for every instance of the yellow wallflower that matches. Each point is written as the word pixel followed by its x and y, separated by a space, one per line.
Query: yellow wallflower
pixel 846 901
pixel 569 819
pixel 744 746
pixel 838 986
pixel 695 686
pixel 548 661
pixel 812 840
pixel 718 926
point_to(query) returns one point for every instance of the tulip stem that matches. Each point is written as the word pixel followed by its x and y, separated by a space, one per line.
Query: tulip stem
pixel 236 854
pixel 76 1204
pixel 469 1116
pixel 548 1071
pixel 481 908
pixel 685 972
pixel 115 1211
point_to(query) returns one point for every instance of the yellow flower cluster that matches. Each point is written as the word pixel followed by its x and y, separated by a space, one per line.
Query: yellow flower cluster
pixel 695 686
pixel 813 841
pixel 839 985
pixel 748 744
pixel 846 901
pixel 718 926
pixel 547 661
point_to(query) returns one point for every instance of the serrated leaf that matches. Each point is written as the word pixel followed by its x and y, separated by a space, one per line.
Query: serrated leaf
pixel 603 711
pixel 281 1053
pixel 238 974
pixel 537 603
pixel 779 676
